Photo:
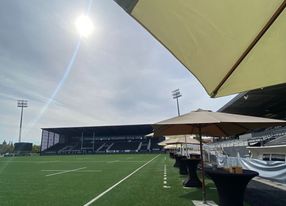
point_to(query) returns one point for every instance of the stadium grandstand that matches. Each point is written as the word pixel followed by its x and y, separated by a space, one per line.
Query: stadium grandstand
pixel 99 139
pixel 267 102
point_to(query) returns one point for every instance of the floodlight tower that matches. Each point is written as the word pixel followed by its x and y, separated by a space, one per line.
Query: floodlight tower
pixel 176 95
pixel 23 104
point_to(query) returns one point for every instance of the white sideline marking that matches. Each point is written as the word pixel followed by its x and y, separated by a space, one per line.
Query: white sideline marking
pixel 66 171
pixel 126 161
pixel 113 186
pixel 165 178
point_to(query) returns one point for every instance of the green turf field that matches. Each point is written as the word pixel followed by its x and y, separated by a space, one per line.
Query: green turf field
pixel 76 180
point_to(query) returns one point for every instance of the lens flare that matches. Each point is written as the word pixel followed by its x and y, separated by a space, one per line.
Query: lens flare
pixel 84 25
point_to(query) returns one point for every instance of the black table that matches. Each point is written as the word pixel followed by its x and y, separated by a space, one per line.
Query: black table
pixel 183 170
pixel 230 186
pixel 181 164
pixel 172 155
pixel 177 160
pixel 192 179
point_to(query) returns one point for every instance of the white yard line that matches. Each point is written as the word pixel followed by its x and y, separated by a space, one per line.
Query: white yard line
pixel 66 171
pixel 113 186
pixel 124 161
pixel 128 161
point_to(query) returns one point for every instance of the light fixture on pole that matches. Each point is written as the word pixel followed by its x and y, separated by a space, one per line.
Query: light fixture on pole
pixel 23 104
pixel 176 95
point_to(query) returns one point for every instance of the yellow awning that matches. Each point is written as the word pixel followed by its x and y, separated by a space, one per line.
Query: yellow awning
pixel 229 45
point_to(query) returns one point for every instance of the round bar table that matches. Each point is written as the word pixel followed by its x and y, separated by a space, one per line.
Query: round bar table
pixel 192 179
pixel 183 170
pixel 230 186
pixel 177 160
pixel 171 155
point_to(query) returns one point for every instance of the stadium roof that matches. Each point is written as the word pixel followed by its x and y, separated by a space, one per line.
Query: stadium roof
pixel 265 102
pixel 116 130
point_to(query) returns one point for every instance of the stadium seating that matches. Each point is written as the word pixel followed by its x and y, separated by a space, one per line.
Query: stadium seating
pixel 112 145
pixel 125 145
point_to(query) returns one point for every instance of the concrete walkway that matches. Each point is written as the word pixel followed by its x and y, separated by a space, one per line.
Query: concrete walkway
pixel 265 194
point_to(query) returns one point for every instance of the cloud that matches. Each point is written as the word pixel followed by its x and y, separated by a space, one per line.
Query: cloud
pixel 121 75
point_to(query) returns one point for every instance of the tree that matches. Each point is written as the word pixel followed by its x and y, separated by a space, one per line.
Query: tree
pixel 36 149
pixel 6 148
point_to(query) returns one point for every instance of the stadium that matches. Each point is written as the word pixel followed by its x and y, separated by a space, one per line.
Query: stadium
pixel 104 68
pixel 100 139
pixel 124 165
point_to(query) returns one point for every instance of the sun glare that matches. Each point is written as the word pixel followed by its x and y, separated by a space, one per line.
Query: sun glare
pixel 84 25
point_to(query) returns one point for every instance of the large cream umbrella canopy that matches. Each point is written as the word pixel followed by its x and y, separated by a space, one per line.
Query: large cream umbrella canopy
pixel 218 124
pixel 179 139
pixel 182 139
pixel 229 45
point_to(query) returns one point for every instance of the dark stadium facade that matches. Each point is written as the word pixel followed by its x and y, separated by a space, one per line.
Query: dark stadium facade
pixel 99 139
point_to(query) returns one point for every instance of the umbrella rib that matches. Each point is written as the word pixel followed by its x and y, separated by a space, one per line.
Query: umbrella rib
pixel 236 124
pixel 251 46
pixel 226 134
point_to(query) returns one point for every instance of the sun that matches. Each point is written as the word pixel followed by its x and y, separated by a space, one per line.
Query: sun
pixel 84 25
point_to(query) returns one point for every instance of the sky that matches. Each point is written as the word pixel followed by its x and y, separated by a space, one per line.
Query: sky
pixel 118 75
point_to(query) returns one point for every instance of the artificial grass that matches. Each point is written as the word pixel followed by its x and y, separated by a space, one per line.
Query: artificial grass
pixel 22 181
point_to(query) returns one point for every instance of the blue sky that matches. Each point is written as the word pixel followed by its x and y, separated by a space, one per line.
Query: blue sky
pixel 120 74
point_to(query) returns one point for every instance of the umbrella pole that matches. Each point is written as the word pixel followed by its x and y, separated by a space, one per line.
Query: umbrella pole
pixel 202 165
pixel 186 146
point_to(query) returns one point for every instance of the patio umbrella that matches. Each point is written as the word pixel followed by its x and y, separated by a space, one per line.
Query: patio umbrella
pixel 187 140
pixel 179 140
pixel 234 41
pixel 183 139
pixel 171 140
pixel 217 124
pixel 170 146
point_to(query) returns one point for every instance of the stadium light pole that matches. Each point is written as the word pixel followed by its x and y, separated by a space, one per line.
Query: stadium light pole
pixel 22 104
pixel 176 95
